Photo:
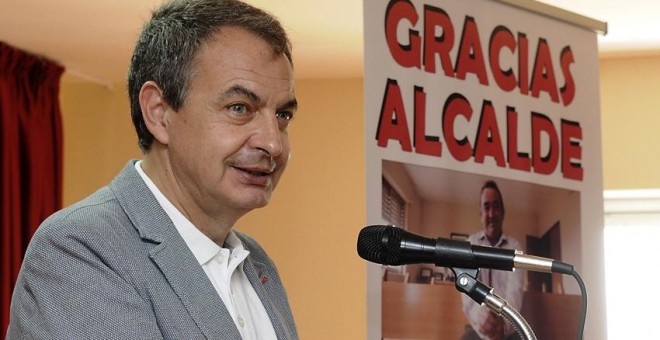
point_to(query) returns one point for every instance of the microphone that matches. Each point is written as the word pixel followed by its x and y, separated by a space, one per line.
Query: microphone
pixel 394 246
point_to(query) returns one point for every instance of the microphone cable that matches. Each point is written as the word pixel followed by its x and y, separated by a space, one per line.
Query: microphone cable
pixel 583 312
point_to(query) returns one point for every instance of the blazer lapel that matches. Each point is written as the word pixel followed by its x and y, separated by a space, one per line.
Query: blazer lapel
pixel 191 285
pixel 171 254
pixel 255 272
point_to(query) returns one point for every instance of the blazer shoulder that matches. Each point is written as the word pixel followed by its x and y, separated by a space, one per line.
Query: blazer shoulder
pixel 98 209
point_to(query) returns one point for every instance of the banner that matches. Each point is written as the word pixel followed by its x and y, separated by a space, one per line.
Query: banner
pixel 458 93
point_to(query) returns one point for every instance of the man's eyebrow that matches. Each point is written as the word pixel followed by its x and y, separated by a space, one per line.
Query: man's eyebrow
pixel 242 91
pixel 291 105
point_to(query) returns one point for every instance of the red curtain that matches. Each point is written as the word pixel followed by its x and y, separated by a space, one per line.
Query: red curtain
pixel 30 157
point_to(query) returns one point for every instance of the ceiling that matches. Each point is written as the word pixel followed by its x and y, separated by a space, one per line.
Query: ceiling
pixel 94 39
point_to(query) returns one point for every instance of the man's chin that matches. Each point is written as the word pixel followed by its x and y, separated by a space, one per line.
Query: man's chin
pixel 256 201
pixel 261 204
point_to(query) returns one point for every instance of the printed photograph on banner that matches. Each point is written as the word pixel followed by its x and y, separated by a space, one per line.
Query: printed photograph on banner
pixel 434 202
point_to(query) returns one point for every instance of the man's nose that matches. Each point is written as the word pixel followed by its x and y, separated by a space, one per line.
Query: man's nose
pixel 490 212
pixel 268 138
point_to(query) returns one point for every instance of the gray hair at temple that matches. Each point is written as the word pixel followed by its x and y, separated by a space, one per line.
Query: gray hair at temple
pixel 169 42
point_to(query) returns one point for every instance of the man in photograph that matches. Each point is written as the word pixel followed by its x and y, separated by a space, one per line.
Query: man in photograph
pixel 484 323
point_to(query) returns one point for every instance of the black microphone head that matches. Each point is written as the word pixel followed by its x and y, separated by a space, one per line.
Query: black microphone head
pixel 380 244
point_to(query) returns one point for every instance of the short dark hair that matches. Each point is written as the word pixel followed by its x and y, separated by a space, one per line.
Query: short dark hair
pixel 170 41
pixel 490 184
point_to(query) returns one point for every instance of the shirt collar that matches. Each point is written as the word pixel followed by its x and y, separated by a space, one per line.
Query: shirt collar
pixel 499 244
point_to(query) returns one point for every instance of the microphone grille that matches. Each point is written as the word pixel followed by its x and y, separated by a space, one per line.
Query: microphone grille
pixel 380 244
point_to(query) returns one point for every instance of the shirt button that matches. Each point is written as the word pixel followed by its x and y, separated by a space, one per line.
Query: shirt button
pixel 241 322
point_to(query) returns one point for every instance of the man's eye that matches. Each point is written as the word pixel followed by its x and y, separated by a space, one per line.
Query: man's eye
pixel 284 115
pixel 238 108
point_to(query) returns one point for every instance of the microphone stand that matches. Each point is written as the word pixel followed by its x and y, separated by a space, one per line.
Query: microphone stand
pixel 467 283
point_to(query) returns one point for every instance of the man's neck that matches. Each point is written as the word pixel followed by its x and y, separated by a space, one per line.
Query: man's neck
pixel 160 173
pixel 495 240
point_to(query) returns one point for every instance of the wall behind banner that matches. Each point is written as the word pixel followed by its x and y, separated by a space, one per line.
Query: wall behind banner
pixel 630 120
pixel 311 226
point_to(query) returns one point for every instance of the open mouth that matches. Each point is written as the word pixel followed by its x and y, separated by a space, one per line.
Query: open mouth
pixel 254 171
pixel 259 177
pixel 257 173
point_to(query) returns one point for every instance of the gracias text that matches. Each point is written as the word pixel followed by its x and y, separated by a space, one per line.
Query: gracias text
pixel 422 52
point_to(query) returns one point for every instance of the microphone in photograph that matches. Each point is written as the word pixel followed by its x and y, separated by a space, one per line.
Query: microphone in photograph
pixel 394 246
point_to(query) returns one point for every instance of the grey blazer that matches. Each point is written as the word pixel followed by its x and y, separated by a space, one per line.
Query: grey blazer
pixel 114 266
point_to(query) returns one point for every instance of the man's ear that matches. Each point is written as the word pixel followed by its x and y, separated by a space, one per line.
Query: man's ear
pixel 155 111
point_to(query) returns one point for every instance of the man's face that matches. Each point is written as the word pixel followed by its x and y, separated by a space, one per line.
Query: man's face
pixel 491 214
pixel 228 144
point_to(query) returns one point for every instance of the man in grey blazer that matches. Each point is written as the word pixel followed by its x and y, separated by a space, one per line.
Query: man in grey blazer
pixel 153 254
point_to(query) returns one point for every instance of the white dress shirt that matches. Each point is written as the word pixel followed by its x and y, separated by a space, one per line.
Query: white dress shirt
pixel 224 268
